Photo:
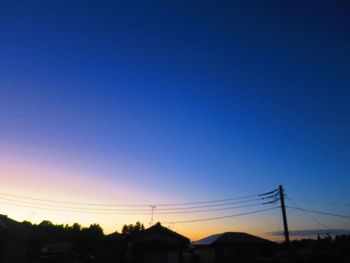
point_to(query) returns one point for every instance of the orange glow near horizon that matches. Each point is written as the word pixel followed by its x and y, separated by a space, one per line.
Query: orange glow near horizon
pixel 31 178
pixel 23 178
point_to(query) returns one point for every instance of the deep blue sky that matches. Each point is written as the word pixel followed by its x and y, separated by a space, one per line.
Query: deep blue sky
pixel 215 97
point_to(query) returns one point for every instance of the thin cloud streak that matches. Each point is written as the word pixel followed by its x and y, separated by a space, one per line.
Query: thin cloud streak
pixel 310 232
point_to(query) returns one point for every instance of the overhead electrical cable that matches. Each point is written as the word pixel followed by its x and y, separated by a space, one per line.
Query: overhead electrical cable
pixel 311 217
pixel 320 201
pixel 220 217
pixel 77 211
pixel 207 210
pixel 319 212
pixel 212 205
pixel 129 210
pixel 111 212
pixel 131 205
pixel 73 207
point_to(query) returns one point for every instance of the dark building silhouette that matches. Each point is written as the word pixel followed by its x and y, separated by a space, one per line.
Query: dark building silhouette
pixel 111 249
pixel 232 247
pixel 157 244
pixel 18 242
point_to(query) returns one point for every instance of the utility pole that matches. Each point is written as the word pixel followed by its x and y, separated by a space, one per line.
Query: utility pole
pixel 284 215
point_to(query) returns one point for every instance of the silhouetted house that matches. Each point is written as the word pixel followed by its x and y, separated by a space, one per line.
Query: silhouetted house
pixel 157 244
pixel 111 249
pixel 56 251
pixel 57 247
pixel 19 243
pixel 232 247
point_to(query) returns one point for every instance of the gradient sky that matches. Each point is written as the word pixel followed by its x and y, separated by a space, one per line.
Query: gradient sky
pixel 173 101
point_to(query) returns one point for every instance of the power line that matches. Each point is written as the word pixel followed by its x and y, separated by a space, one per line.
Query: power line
pixel 131 205
pixel 213 205
pixel 319 212
pixel 128 210
pixel 115 212
pixel 208 210
pixel 321 202
pixel 210 201
pixel 69 203
pixel 77 211
pixel 312 218
pixel 74 207
pixel 183 208
pixel 273 192
pixel 220 217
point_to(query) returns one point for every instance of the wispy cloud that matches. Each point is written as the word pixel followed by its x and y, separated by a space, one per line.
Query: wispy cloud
pixel 312 232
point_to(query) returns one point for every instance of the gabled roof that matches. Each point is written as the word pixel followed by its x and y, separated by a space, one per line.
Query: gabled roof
pixel 207 240
pixel 231 238
pixel 17 229
pixel 114 238
pixel 159 232
pixel 2 223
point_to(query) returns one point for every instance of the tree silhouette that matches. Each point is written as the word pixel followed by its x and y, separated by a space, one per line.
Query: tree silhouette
pixel 46 223
pixel 132 229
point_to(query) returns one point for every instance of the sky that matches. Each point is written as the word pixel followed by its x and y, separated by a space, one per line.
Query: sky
pixel 152 102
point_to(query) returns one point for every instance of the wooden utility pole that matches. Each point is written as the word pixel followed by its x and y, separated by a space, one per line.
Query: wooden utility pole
pixel 284 215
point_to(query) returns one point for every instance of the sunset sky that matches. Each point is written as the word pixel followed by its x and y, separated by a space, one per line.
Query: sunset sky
pixel 155 102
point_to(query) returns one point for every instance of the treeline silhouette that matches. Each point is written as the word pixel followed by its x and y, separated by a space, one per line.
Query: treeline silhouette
pixel 132 229
pixel 83 238
pixel 324 247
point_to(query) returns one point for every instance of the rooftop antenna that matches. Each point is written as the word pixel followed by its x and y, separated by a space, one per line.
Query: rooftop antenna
pixel 32 214
pixel 152 211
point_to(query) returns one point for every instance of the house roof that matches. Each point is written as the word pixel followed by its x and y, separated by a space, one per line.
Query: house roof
pixel 2 223
pixel 159 232
pixel 17 229
pixel 231 238
pixel 114 238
